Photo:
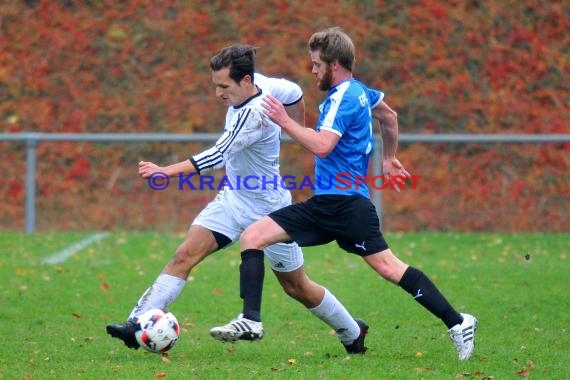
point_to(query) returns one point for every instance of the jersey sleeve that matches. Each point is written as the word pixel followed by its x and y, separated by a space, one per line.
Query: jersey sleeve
pixel 244 130
pixel 340 110
pixel 343 105
pixel 375 96
pixel 284 90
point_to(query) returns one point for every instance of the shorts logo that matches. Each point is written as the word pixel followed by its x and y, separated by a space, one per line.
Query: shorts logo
pixel 279 265
pixel 361 246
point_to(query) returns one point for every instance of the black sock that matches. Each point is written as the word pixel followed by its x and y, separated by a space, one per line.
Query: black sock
pixel 251 275
pixel 426 293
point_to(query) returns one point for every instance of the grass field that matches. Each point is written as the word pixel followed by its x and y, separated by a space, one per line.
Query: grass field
pixel 53 316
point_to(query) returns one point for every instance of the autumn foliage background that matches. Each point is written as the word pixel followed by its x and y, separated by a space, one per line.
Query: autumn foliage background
pixel 142 66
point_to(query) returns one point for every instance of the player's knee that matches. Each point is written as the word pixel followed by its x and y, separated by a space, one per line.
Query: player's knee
pixel 388 273
pixel 293 290
pixel 186 256
pixel 294 286
pixel 252 238
pixel 387 265
pixel 307 293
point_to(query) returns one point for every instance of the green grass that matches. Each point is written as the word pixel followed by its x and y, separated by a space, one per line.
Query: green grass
pixel 53 317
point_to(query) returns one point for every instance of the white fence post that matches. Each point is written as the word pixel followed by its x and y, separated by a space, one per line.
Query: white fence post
pixel 31 145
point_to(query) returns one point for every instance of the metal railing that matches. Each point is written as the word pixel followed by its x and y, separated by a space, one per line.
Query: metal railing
pixel 32 139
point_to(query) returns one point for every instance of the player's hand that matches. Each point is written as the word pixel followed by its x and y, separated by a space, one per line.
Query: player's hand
pixel 395 172
pixel 275 110
pixel 147 168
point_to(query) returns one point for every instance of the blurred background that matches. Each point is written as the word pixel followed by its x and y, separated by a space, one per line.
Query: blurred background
pixel 142 66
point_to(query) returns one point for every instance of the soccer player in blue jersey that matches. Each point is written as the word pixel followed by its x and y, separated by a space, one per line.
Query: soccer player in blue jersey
pixel 340 209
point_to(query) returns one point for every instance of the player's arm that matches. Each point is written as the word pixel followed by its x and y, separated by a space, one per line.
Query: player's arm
pixel 290 94
pixel 297 111
pixel 388 120
pixel 245 130
pixel 208 160
pixel 318 143
pixel 146 168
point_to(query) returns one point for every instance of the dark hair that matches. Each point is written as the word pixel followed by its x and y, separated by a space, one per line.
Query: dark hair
pixel 333 44
pixel 240 59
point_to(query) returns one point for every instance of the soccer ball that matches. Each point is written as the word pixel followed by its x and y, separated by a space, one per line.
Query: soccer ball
pixel 158 330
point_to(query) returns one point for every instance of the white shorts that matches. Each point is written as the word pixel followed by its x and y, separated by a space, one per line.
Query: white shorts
pixel 228 216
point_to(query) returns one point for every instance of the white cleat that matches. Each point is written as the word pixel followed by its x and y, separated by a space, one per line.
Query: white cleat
pixel 463 336
pixel 238 329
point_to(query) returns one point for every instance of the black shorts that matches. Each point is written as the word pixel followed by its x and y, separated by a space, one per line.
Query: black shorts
pixel 350 220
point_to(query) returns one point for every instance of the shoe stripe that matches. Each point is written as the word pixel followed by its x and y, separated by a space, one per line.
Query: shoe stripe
pixel 241 326
pixel 232 326
pixel 237 326
pixel 468 334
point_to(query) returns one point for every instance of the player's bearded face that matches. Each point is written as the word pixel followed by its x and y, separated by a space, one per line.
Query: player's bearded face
pixel 322 71
pixel 325 82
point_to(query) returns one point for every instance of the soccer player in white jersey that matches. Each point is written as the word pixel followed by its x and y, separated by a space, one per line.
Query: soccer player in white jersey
pixel 250 144
pixel 342 143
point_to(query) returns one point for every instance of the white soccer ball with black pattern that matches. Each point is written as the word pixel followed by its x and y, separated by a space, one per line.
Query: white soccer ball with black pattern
pixel 158 330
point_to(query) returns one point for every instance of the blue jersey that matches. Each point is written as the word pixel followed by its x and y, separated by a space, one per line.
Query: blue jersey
pixel 346 111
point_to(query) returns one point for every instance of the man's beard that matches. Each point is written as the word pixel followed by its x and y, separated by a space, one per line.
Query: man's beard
pixel 326 83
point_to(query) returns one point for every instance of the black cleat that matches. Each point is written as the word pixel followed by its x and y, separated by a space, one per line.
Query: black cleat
pixel 357 347
pixel 125 332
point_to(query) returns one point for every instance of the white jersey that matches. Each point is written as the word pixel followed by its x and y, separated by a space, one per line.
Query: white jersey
pixel 249 149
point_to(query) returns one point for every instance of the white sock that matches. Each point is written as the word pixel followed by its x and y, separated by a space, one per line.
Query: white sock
pixel 334 314
pixel 161 294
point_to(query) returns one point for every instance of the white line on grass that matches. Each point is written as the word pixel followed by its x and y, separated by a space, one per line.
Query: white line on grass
pixel 71 250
